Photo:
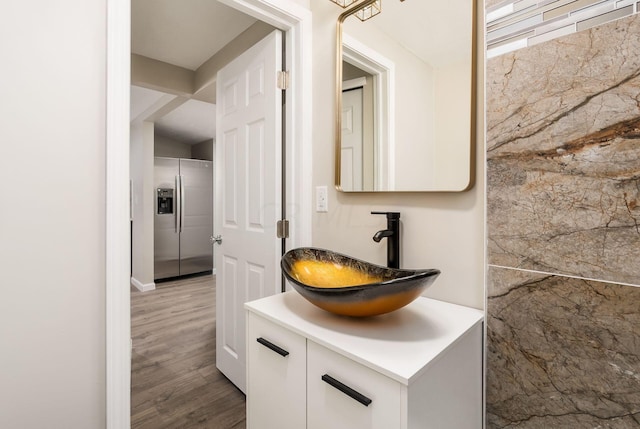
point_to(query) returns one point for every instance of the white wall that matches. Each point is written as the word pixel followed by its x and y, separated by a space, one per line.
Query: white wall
pixel 451 103
pixel 440 230
pixel 203 150
pixel 52 245
pixel 143 203
pixel 170 148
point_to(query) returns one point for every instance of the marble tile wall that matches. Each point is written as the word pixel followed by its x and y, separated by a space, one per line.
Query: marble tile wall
pixel 563 352
pixel 563 213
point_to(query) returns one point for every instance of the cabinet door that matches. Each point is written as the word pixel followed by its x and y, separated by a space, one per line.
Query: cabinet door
pixel 276 373
pixel 342 394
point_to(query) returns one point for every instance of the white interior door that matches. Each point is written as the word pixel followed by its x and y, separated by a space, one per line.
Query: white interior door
pixel 352 133
pixel 248 184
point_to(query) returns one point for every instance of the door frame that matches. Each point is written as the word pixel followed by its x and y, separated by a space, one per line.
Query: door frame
pixel 383 70
pixel 295 21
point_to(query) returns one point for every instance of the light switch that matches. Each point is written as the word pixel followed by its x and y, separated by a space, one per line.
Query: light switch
pixel 322 203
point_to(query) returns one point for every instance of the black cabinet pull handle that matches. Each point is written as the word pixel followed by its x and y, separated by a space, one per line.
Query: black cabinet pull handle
pixel 271 346
pixel 346 390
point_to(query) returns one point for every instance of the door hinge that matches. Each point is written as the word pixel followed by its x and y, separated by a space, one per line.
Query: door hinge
pixel 283 79
pixel 282 228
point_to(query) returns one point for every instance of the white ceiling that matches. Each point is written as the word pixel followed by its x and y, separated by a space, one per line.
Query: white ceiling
pixel 425 27
pixel 142 99
pixel 185 33
pixel 192 122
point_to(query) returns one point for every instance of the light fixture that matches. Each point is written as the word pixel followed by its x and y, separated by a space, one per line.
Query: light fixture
pixel 344 3
pixel 366 12
pixel 370 11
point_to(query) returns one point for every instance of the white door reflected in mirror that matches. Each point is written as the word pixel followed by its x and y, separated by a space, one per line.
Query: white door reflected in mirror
pixel 352 136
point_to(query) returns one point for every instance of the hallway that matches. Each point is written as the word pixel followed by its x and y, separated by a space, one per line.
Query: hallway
pixel 174 380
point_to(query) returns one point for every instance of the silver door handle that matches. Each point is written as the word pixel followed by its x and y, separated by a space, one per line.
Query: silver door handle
pixel 176 204
pixel 216 239
pixel 182 198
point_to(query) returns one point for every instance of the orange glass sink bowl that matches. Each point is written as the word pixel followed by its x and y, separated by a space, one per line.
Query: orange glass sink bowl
pixel 347 286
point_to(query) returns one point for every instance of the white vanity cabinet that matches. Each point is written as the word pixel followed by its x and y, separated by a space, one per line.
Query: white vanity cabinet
pixel 276 371
pixel 330 407
pixel 418 367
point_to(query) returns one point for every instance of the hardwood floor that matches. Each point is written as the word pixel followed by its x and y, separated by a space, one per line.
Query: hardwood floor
pixel 174 380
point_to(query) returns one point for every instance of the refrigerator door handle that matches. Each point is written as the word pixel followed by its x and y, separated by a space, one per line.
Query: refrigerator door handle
pixel 181 202
pixel 177 203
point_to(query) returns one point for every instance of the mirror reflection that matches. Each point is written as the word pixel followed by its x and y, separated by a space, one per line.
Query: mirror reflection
pixel 405 96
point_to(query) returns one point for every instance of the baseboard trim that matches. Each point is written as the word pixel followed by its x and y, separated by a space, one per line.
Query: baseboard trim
pixel 141 286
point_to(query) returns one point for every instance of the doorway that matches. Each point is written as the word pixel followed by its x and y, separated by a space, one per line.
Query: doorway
pixel 362 60
pixel 177 51
pixel 287 15
pixel 220 57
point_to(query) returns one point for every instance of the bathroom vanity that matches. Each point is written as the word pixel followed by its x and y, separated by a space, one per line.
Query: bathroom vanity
pixel 417 367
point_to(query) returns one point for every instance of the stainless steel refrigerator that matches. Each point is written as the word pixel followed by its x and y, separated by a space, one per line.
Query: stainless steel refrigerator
pixel 183 217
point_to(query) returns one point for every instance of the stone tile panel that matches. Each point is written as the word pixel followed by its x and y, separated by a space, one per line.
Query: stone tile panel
pixel 562 352
pixel 563 160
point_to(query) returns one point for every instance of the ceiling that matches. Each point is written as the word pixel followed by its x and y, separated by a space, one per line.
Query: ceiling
pixel 424 27
pixel 192 122
pixel 184 33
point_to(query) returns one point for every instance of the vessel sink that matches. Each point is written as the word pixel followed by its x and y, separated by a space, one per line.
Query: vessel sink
pixel 348 286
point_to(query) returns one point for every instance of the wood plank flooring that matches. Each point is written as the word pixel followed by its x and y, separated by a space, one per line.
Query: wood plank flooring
pixel 174 379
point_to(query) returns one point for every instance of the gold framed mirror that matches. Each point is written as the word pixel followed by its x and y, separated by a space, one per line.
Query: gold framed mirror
pixel 405 96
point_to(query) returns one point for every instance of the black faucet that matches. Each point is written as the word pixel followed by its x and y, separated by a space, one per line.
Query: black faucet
pixel 392 234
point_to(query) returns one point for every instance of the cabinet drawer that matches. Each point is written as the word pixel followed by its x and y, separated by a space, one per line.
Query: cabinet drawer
pixel 343 394
pixel 276 373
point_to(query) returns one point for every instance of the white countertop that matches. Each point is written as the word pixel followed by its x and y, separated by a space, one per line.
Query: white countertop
pixel 401 344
